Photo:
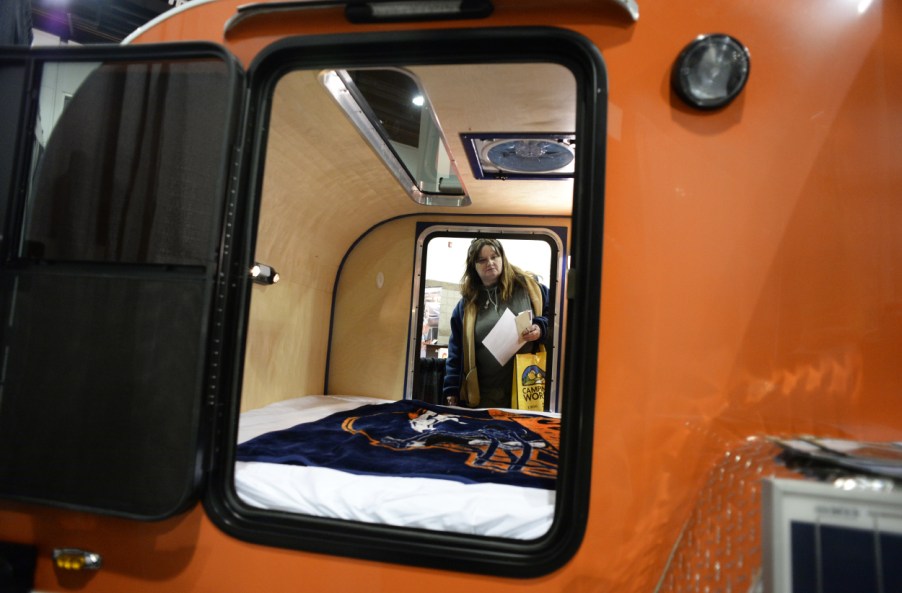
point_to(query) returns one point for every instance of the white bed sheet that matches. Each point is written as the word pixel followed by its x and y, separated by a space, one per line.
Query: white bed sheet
pixel 482 509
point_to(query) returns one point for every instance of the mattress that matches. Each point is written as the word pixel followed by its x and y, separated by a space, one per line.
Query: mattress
pixel 488 509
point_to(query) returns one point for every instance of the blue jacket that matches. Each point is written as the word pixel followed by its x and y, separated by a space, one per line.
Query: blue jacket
pixel 456 367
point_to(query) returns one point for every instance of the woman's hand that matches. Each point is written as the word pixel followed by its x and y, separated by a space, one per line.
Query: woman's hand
pixel 532 333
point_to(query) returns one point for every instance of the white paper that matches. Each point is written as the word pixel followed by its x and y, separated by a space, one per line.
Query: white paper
pixel 504 341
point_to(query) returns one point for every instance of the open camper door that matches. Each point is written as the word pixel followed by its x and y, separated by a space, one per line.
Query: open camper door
pixel 116 215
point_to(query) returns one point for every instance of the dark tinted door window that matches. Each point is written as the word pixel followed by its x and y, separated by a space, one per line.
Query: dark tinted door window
pixel 109 280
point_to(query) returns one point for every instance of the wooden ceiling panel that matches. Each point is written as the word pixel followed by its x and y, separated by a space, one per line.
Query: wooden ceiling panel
pixel 323 177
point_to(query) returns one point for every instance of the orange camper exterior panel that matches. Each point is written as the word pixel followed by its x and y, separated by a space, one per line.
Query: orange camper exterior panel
pixel 750 287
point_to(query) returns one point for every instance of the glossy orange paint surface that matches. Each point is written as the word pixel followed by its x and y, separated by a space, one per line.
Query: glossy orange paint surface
pixel 752 285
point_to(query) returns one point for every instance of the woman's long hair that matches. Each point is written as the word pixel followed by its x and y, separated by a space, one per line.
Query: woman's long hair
pixel 470 283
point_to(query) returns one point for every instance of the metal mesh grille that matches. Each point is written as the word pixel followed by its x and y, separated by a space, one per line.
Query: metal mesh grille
pixel 720 547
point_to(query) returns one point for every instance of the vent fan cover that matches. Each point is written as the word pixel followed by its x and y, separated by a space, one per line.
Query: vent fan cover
pixel 520 156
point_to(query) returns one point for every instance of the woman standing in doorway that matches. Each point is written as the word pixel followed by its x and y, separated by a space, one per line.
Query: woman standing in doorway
pixel 490 286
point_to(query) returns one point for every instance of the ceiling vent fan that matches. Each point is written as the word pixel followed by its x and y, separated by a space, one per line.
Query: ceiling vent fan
pixel 520 156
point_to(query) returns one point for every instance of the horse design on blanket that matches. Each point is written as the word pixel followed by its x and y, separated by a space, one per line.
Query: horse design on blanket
pixel 417 439
pixel 500 442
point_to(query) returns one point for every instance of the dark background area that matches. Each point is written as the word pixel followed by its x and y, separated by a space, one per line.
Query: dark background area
pixel 94 21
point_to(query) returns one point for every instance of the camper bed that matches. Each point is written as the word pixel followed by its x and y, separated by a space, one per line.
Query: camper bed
pixel 285 474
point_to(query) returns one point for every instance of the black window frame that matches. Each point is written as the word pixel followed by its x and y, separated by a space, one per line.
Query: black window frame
pixel 449 551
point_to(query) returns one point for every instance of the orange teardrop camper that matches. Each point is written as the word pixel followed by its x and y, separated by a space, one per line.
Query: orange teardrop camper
pixel 233 247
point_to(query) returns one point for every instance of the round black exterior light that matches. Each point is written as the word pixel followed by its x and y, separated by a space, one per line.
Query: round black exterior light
pixel 711 71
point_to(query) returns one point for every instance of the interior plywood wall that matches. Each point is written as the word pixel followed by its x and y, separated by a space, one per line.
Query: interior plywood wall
pixel 370 334
pixel 325 190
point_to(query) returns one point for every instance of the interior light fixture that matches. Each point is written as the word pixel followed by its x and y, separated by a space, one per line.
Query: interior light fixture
pixel 711 71
pixel 263 274
pixel 412 145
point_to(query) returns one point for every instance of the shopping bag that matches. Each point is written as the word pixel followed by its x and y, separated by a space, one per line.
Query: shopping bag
pixel 528 392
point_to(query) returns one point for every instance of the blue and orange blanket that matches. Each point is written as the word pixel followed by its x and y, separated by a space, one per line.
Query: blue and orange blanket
pixel 414 439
